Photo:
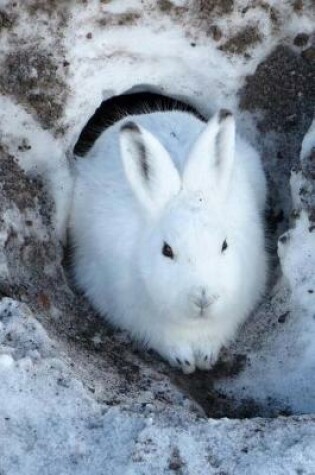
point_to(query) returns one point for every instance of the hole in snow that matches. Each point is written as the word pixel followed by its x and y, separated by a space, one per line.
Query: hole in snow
pixel 280 153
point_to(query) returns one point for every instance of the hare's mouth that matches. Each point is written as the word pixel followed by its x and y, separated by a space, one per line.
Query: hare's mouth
pixel 203 313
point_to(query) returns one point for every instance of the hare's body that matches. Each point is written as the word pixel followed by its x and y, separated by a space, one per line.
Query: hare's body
pixel 168 232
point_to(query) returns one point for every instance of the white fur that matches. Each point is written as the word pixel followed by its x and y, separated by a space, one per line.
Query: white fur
pixel 200 186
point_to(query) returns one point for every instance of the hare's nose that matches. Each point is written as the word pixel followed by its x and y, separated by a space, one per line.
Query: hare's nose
pixel 202 298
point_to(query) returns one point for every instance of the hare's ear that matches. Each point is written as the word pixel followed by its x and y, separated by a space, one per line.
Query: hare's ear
pixel 210 163
pixel 148 167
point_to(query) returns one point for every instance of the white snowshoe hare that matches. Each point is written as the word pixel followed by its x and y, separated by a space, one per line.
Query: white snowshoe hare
pixel 167 226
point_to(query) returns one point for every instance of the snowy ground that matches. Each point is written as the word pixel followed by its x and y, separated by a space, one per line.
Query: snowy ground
pixel 76 399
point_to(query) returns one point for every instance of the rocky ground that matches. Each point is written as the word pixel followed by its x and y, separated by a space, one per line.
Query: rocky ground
pixel 76 396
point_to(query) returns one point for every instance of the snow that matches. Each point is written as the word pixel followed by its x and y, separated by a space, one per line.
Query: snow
pixel 50 420
pixel 283 368
pixel 43 155
pixel 50 424
pixel 308 142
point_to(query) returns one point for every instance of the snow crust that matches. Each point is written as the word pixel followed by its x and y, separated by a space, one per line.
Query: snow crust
pixel 50 424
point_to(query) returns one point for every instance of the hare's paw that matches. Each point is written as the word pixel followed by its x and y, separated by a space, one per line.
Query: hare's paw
pixel 206 356
pixel 183 358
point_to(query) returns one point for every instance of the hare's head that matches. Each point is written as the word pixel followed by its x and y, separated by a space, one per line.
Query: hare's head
pixel 187 255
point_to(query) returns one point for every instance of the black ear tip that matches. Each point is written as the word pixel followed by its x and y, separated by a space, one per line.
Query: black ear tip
pixel 224 114
pixel 130 126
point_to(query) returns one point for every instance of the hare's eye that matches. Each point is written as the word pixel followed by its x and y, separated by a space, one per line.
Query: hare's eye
pixel 167 251
pixel 224 246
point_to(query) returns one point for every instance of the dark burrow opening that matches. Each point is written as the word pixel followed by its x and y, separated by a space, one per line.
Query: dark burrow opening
pixel 281 110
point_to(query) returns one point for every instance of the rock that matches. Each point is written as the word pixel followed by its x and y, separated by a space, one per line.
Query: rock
pixel 215 32
pixel 242 40
pixel 301 39
pixel 309 54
